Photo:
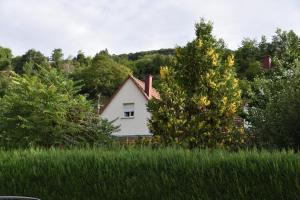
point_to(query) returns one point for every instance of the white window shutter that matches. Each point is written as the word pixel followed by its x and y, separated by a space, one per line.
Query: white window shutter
pixel 128 107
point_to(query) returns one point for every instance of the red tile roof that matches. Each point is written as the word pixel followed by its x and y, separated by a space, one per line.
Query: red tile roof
pixel 141 85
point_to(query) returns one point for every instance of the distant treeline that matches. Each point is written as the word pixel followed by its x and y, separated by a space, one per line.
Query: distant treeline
pixel 138 55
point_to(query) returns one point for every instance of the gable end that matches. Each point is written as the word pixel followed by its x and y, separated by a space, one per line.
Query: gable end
pixel 120 87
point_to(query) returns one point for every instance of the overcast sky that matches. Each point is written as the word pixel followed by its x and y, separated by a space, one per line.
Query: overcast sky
pixel 124 26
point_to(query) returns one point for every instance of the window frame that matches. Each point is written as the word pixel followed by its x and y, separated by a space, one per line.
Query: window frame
pixel 128 112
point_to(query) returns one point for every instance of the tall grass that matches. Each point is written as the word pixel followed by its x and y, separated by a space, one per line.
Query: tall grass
pixel 83 174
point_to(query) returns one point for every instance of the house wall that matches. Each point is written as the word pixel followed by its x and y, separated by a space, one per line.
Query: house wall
pixel 136 125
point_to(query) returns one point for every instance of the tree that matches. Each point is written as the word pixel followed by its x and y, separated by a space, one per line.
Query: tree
pixel 45 110
pixel 5 58
pixel 82 60
pixel 103 76
pixel 264 47
pixel 4 82
pixel 5 68
pixel 275 119
pixel 57 58
pixel 31 60
pixel 285 45
pixel 284 50
pixel 150 64
pixel 247 60
pixel 199 95
pixel 273 106
pixel 169 117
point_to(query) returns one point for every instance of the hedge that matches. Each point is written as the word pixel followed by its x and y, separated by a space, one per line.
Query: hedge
pixel 90 174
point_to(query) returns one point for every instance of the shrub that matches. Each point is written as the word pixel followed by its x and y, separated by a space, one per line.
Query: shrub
pixel 276 118
pixel 45 109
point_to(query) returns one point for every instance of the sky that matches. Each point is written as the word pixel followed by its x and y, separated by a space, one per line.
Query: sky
pixel 124 26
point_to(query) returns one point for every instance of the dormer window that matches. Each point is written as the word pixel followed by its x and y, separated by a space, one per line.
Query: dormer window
pixel 128 110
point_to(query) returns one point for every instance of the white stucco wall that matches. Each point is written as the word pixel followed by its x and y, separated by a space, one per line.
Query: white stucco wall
pixel 137 125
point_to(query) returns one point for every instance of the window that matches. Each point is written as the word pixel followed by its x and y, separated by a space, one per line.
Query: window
pixel 128 109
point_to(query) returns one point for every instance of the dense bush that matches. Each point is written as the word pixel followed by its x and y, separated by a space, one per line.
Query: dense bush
pixel 45 109
pixel 276 118
pixel 150 174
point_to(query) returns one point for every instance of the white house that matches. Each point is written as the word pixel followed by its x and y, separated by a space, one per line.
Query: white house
pixel 128 106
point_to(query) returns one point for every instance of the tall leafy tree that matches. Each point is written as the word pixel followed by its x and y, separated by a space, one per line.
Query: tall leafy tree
pixel 4 82
pixel 5 58
pixel 273 103
pixel 31 60
pixel 200 95
pixel 103 76
pixel 264 47
pixel 285 45
pixel 5 69
pixel 57 58
pixel 82 60
pixel 275 118
pixel 247 60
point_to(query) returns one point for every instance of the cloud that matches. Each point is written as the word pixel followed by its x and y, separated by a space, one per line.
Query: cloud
pixel 135 25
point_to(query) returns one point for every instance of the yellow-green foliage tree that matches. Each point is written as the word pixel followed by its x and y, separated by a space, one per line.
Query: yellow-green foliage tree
pixel 200 95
